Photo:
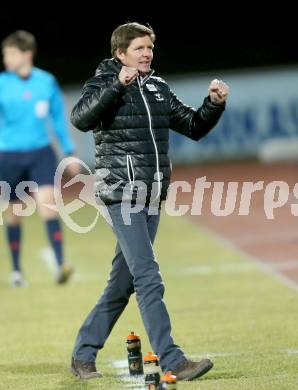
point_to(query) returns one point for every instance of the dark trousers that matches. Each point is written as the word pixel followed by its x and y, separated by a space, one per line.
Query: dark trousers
pixel 134 269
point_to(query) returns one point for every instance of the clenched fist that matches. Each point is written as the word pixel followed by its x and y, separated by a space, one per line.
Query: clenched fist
pixel 127 75
pixel 218 91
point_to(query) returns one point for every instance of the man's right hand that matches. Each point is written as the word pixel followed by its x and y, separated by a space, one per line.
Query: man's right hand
pixel 127 75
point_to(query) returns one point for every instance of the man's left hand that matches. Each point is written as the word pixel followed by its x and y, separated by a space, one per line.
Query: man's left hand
pixel 218 91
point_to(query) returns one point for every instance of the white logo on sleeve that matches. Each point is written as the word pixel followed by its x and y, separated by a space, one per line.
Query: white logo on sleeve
pixel 42 108
pixel 159 97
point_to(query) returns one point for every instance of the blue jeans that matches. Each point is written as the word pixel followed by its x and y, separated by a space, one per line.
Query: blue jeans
pixel 134 270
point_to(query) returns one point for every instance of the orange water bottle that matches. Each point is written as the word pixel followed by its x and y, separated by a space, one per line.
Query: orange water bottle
pixel 135 360
pixel 168 382
pixel 151 371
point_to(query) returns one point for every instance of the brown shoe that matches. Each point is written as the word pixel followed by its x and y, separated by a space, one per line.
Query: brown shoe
pixel 84 370
pixel 189 370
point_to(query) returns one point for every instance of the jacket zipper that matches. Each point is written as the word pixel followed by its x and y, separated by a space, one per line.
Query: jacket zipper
pixel 130 169
pixel 153 138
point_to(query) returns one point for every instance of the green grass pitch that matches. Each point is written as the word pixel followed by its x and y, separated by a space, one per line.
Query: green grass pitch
pixel 220 304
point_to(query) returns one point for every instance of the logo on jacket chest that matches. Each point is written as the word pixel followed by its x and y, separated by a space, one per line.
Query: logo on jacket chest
pixel 157 95
pixel 151 87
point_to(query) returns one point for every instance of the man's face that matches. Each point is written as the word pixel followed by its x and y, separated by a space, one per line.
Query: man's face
pixel 139 54
pixel 15 59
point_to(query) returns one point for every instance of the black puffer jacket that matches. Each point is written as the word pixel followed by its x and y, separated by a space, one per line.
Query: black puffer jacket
pixel 131 131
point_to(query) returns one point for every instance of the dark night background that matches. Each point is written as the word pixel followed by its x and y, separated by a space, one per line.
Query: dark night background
pixel 71 44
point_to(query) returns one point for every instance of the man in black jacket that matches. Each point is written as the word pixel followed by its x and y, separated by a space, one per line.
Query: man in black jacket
pixel 130 112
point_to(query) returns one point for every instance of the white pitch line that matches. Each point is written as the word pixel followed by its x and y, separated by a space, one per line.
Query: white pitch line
pixel 225 268
pixel 219 354
pixel 234 268
pixel 253 238
pixel 135 382
pixel 269 269
pixel 292 351
pixel 239 353
pixel 120 364
pixel 285 265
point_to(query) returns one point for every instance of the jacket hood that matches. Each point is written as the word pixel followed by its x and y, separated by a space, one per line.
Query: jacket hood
pixel 109 66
